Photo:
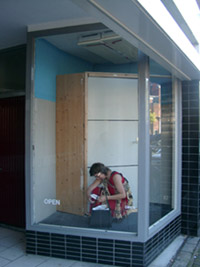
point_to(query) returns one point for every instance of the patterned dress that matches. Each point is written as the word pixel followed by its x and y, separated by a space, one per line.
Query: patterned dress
pixel 119 208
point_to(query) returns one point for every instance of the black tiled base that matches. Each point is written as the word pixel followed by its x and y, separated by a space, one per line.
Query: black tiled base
pixel 105 251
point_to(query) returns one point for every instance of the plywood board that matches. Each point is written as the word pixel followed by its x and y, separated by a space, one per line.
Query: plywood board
pixel 70 149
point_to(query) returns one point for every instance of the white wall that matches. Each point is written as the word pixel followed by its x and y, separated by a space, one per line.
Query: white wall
pixel 44 161
pixel 113 126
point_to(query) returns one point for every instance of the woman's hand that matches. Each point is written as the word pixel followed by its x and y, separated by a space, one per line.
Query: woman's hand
pixel 91 200
pixel 90 189
pixel 101 198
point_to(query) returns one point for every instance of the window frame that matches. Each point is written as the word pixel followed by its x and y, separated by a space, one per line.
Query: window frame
pixel 176 91
pixel 144 231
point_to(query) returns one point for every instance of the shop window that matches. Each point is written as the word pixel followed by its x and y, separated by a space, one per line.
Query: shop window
pixel 162 148
pixel 103 130
pixel 81 117
pixel 85 109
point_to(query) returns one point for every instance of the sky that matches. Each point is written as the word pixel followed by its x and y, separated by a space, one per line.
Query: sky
pixel 190 11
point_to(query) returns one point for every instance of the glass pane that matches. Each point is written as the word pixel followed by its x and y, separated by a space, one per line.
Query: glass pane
pixel 60 157
pixel 73 127
pixel 162 142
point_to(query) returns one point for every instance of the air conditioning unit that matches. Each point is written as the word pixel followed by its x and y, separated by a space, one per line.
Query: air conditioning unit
pixel 110 46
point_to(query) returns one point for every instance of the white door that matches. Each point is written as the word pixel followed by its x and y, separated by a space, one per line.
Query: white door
pixel 113 126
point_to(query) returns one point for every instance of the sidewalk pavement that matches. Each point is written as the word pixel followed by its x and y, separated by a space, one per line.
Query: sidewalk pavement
pixel 13 253
pixel 183 252
pixel 189 253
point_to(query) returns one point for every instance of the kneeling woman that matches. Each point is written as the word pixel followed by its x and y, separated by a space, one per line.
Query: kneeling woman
pixel 112 185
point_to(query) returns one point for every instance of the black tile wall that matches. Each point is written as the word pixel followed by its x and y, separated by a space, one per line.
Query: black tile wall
pixel 190 158
pixel 105 251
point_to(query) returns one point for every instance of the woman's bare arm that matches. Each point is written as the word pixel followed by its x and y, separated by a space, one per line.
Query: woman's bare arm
pixel 92 187
pixel 117 179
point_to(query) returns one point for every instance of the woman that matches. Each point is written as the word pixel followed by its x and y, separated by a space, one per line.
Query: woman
pixel 113 186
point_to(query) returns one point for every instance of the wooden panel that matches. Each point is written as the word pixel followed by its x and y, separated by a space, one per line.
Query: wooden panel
pixel 70 149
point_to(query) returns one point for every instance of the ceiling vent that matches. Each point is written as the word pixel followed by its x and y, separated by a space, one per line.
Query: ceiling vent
pixel 109 46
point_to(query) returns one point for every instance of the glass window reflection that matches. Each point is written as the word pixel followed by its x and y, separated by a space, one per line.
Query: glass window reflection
pixel 161 104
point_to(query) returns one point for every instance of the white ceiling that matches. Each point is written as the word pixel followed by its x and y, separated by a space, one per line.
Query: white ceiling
pixel 16 15
pixel 117 51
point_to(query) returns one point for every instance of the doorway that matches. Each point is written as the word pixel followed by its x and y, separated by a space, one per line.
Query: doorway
pixel 12 154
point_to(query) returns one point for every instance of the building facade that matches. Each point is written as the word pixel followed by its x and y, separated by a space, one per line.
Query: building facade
pixel 111 87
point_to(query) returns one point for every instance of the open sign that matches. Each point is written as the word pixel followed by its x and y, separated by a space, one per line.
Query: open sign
pixel 51 201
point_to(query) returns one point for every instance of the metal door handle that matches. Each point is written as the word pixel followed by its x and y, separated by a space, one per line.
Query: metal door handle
pixel 136 141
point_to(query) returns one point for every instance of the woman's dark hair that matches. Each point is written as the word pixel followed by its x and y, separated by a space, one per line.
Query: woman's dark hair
pixel 98 167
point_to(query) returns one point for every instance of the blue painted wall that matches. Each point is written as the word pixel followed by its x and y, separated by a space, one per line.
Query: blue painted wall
pixel 155 68
pixel 49 62
pixel 119 68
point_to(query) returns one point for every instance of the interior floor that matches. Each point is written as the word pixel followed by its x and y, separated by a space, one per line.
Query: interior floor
pixel 128 224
